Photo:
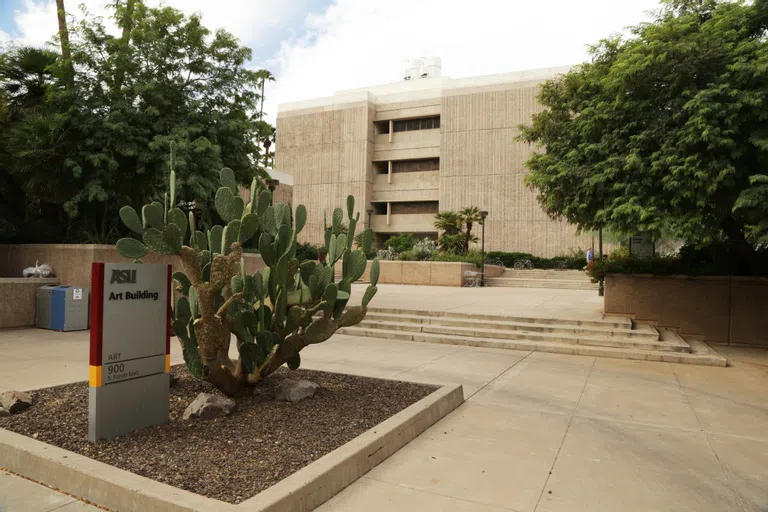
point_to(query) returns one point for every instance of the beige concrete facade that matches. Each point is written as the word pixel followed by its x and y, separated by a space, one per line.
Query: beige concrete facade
pixel 350 143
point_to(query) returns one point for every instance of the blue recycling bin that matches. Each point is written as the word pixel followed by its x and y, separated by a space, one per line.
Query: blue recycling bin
pixel 63 308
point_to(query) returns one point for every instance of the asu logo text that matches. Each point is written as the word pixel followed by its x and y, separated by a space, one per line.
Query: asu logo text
pixel 123 276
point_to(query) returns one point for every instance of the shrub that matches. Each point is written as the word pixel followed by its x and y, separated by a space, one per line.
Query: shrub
pixel 715 259
pixel 475 257
pixel 574 261
pixel 424 250
pixel 387 254
pixel 401 242
pixel 307 251
pixel 359 243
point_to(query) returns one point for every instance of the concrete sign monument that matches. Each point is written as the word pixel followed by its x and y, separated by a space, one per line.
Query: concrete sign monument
pixel 641 246
pixel 130 348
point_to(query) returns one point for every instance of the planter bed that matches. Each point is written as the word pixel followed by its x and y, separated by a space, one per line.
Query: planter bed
pixel 232 458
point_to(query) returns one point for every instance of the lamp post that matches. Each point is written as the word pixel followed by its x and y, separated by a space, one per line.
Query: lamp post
pixel 483 215
pixel 601 286
pixel 370 214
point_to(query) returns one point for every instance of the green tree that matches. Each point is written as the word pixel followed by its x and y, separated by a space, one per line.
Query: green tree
pixel 662 131
pixel 166 79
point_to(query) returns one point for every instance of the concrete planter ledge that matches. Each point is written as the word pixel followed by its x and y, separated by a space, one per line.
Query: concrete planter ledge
pixel 717 309
pixel 304 490
pixel 430 273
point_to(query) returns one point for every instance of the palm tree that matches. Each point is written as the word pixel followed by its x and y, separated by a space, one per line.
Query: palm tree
pixel 265 132
pixel 449 222
pixel 263 75
pixel 469 215
pixel 25 74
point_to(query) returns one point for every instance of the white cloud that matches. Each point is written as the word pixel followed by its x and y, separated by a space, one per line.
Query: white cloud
pixel 253 21
pixel 355 43
pixel 4 37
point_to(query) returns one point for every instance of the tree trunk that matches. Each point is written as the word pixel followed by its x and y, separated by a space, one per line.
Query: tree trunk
pixel 66 52
pixel 261 109
pixel 126 21
pixel 63 31
pixel 743 253
pixel 267 145
pixel 467 237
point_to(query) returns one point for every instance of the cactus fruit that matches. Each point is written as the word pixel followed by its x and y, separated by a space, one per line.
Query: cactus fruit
pixel 273 313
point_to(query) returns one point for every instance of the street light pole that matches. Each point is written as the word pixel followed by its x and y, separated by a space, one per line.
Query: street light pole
pixel 483 215
pixel 601 285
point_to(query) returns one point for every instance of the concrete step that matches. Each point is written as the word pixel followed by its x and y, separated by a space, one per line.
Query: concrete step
pixel 557 284
pixel 568 275
pixel 504 334
pixel 646 332
pixel 700 353
pixel 612 322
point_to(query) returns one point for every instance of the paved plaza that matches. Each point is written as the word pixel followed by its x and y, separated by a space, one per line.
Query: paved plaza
pixel 538 432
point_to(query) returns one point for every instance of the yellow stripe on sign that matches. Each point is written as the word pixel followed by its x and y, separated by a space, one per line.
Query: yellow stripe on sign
pixel 167 363
pixel 94 376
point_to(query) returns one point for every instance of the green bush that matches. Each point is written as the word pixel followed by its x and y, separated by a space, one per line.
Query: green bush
pixel 306 251
pixel 401 242
pixel 475 257
pixel 574 261
pixel 712 260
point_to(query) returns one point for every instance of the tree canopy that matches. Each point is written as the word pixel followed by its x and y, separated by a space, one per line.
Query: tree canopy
pixel 666 130
pixel 80 137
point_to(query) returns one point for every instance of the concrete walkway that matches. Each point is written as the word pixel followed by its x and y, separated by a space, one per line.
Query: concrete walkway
pixel 546 432
pixel 538 432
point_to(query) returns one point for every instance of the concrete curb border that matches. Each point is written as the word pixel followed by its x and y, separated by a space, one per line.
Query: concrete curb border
pixel 305 490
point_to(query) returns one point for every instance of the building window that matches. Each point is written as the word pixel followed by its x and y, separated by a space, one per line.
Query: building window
pixel 418 165
pixel 381 127
pixel 415 207
pixel 422 123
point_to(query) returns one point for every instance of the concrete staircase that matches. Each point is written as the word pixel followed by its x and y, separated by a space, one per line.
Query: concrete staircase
pixel 610 337
pixel 557 279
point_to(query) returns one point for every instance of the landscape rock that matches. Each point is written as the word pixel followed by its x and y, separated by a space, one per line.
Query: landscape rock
pixel 207 406
pixel 4 413
pixel 15 401
pixel 294 390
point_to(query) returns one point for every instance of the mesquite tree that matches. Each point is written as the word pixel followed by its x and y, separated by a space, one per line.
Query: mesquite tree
pixel 274 313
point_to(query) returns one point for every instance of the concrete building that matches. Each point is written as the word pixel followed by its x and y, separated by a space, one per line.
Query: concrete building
pixel 429 143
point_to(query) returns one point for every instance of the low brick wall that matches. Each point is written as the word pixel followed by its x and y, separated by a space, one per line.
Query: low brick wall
pixel 430 273
pixel 720 309
pixel 18 300
pixel 72 263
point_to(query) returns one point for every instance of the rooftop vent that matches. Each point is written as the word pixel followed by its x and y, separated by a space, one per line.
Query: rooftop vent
pixel 423 68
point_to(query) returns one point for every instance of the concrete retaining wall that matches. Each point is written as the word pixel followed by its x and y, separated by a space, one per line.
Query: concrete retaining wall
pixel 431 273
pixel 18 300
pixel 72 263
pixel 720 309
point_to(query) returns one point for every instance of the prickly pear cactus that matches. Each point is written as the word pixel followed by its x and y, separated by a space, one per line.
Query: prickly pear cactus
pixel 274 313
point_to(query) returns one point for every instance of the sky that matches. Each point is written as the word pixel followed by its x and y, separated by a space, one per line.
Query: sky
pixel 317 47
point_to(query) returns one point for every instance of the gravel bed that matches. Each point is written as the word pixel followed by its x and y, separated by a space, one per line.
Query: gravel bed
pixel 231 458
